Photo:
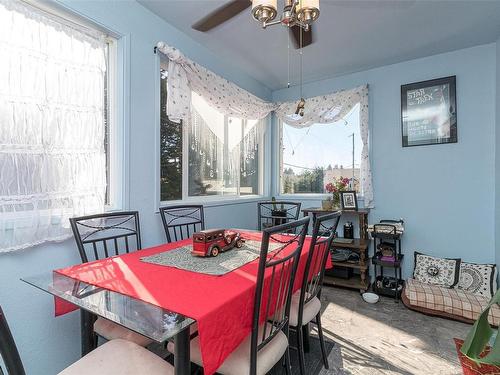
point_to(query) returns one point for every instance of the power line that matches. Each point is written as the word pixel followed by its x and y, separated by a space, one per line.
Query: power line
pixel 298 166
pixel 301 167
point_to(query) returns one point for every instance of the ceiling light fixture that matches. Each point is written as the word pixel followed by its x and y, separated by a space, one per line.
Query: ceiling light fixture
pixel 300 13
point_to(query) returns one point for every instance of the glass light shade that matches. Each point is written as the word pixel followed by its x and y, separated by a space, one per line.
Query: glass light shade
pixel 264 10
pixel 307 10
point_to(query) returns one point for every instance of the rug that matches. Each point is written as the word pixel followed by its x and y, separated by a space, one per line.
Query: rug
pixel 314 360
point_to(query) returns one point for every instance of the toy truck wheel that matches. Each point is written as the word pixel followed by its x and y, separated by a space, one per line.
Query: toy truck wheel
pixel 214 251
pixel 239 244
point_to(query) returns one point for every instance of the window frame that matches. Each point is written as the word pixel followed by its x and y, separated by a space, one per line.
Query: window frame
pixel 115 149
pixel 211 200
pixel 279 161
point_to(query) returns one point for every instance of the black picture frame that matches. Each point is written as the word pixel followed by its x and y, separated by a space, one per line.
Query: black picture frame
pixel 349 200
pixel 429 112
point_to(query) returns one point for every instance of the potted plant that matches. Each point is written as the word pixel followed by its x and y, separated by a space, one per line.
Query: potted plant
pixel 335 187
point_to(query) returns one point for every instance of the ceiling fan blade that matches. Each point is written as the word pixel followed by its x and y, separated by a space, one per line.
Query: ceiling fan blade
pixel 221 15
pixel 307 36
pixel 370 4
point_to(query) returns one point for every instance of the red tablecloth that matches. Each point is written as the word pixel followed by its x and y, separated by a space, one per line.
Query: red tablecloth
pixel 222 305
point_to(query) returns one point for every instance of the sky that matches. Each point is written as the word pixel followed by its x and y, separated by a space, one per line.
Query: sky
pixel 322 144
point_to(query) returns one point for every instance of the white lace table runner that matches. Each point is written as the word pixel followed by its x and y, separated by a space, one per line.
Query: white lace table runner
pixel 220 265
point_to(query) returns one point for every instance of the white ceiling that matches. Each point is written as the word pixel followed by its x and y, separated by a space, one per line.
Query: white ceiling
pixel 351 35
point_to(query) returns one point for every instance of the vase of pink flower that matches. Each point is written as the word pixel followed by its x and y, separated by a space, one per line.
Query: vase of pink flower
pixel 335 187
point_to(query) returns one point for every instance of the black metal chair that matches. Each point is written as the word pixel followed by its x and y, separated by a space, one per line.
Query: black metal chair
pixel 97 237
pixel 180 222
pixel 272 213
pixel 272 299
pixel 114 357
pixel 8 349
pixel 306 303
pixel 104 235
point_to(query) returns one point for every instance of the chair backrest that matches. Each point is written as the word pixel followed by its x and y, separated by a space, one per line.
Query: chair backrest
pixel 180 222
pixel 273 294
pixel 319 251
pixel 8 350
pixel 272 213
pixel 104 235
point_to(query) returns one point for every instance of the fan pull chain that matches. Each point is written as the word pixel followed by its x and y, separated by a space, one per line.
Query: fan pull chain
pixel 301 45
pixel 288 61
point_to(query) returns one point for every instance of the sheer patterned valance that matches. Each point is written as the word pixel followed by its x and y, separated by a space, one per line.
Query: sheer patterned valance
pixel 185 76
pixel 325 109
pixel 52 158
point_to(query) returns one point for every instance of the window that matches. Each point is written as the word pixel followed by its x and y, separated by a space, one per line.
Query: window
pixel 314 156
pixel 212 155
pixel 58 127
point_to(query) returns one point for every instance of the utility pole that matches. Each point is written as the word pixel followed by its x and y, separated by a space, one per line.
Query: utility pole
pixel 352 181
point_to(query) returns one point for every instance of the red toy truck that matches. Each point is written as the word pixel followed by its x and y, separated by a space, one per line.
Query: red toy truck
pixel 212 242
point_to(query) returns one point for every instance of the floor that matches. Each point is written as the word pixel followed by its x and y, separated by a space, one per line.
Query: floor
pixel 387 338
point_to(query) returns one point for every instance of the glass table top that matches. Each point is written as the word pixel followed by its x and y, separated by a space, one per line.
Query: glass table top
pixel 149 320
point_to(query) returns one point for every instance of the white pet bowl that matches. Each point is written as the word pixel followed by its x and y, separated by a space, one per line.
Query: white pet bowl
pixel 370 297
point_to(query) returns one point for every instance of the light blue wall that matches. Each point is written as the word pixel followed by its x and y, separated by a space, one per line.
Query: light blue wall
pixel 497 157
pixel 46 344
pixel 425 185
pixel 445 193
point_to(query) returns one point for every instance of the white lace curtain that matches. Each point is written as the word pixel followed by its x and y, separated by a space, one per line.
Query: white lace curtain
pixel 186 75
pixel 52 158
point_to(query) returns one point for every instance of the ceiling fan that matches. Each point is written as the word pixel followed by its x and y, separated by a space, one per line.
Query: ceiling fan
pixel 297 15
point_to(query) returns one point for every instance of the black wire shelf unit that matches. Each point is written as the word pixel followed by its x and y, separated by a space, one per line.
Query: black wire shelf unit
pixel 388 257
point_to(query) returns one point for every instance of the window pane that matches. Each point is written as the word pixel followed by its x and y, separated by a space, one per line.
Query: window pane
pixel 232 155
pixel 206 149
pixel 249 162
pixel 319 154
pixel 223 153
pixel 170 149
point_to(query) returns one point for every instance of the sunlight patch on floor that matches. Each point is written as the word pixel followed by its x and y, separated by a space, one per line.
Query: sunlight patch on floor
pixel 387 338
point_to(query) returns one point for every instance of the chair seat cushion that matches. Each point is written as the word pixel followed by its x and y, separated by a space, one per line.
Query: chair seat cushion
pixel 450 303
pixel 111 331
pixel 119 357
pixel 311 309
pixel 238 362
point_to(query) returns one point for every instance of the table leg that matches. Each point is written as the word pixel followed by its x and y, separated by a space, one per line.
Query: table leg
pixel 88 337
pixel 311 223
pixel 182 356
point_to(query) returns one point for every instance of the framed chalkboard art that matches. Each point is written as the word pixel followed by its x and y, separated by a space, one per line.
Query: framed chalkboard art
pixel 429 112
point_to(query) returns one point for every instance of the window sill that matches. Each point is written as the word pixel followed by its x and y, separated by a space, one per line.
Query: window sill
pixel 215 201
pixel 308 197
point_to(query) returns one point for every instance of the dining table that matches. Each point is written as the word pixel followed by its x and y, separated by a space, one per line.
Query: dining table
pixel 163 302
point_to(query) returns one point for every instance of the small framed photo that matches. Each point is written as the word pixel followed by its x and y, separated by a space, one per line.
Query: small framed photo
pixel 429 112
pixel 349 200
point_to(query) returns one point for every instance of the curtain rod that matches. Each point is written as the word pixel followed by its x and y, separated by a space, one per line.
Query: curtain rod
pixel 60 14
